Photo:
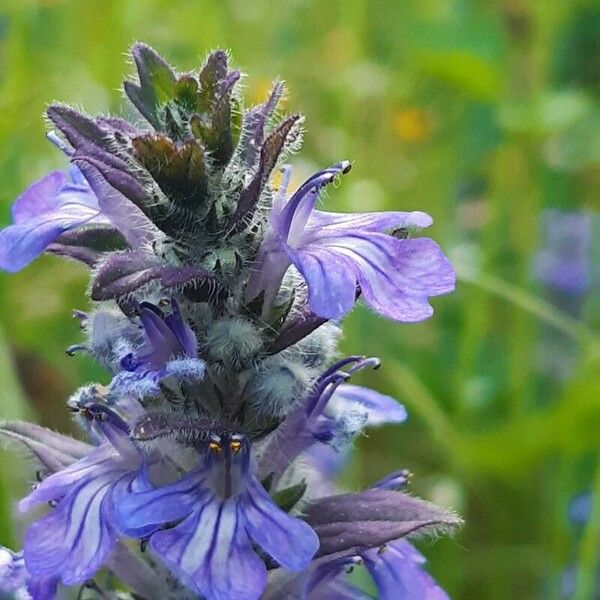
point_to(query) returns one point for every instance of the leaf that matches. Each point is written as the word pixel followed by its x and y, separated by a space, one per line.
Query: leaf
pixel 220 143
pixel 186 92
pixel 304 324
pixel 156 83
pixel 287 498
pixel 87 243
pixel 269 155
pixel 53 450
pixel 13 405
pixel 126 272
pixel 178 170
pixel 77 128
pixel 254 125
pixel 372 518
pixel 87 136
pixel 165 215
pixel 212 73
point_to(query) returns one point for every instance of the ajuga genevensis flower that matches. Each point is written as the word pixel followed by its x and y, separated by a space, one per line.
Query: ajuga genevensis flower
pixel 217 297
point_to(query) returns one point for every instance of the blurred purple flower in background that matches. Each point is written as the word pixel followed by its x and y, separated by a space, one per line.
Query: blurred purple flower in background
pixel 564 261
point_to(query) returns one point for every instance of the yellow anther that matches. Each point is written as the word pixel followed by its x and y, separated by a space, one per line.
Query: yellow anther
pixel 215 447
pixel 235 446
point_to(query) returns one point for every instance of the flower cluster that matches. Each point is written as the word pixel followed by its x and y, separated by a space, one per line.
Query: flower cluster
pixel 216 309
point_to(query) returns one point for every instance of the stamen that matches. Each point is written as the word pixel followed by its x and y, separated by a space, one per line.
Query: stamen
pixel 53 137
pixel 215 444
pixel 75 348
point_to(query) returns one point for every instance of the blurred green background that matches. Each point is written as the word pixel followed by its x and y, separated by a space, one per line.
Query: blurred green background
pixel 483 113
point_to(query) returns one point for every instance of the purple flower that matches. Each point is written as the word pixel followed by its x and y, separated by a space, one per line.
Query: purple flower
pixel 219 510
pixel 15 581
pixel 59 203
pixel 333 413
pixel 564 262
pixel 51 206
pixel 166 337
pixel 336 252
pixel 396 568
pixel 75 538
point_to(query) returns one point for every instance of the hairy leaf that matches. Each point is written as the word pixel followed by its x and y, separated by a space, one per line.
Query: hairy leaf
pixel 178 169
pixel 53 450
pixel 87 243
pixel 372 518
pixel 124 273
pixel 269 154
pixel 156 83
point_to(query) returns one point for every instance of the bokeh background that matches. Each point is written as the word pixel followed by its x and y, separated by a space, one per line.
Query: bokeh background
pixel 483 113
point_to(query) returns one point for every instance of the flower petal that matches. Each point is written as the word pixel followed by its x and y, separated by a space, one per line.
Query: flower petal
pixel 141 509
pixel 396 277
pixel 399 575
pixel 288 540
pixel 331 282
pixel 22 242
pixel 15 581
pixel 98 462
pixel 38 198
pixel 74 539
pixel 380 409
pixel 211 553
pixel 330 223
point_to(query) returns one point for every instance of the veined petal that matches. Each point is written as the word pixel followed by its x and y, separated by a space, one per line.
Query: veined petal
pixel 380 409
pixel 323 224
pixel 23 242
pixel 396 277
pixel 99 462
pixel 330 278
pixel 73 540
pixel 212 554
pixel 147 509
pixel 38 198
pixel 15 581
pixel 398 573
pixel 288 540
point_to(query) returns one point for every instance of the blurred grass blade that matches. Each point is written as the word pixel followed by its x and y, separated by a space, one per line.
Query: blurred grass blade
pixel 532 304
pixel 13 405
pixel 420 401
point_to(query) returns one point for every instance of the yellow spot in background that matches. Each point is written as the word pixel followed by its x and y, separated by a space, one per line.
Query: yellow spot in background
pixel 277 179
pixel 339 47
pixel 258 92
pixel 412 124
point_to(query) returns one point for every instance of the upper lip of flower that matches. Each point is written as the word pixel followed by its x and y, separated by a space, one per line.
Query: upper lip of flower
pixel 166 337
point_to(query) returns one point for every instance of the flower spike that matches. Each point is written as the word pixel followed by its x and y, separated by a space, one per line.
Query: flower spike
pixel 212 448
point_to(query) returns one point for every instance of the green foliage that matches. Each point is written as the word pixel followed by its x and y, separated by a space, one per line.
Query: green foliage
pixel 481 113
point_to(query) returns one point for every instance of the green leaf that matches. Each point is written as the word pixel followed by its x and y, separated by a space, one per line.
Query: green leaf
pixel 287 498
